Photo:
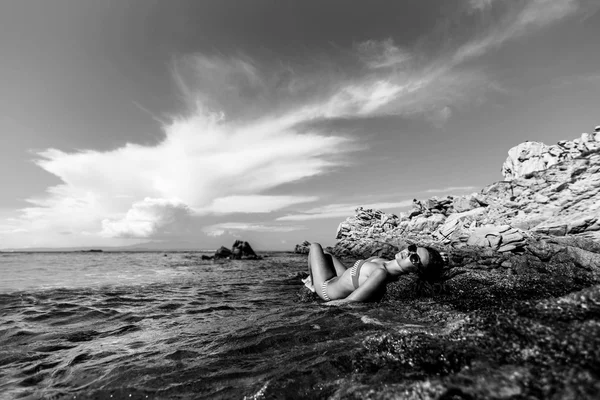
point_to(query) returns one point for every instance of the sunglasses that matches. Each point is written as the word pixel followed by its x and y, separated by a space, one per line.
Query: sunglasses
pixel 412 255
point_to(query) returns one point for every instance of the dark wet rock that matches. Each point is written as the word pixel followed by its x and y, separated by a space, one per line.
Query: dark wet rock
pixel 240 250
pixel 222 252
pixel 302 248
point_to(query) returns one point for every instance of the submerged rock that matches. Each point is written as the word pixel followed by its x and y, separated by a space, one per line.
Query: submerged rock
pixel 240 250
pixel 222 252
pixel 303 248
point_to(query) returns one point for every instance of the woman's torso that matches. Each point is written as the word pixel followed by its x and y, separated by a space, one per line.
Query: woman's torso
pixel 362 269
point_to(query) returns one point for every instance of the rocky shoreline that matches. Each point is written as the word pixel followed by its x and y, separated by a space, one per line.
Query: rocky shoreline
pixel 517 313
pixel 562 199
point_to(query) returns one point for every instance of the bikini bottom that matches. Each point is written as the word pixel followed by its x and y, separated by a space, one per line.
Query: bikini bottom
pixel 324 290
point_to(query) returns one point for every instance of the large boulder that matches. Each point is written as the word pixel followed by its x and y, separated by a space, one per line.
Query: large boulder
pixel 243 250
pixel 240 250
pixel 465 203
pixel 529 157
pixel 302 248
pixel 222 252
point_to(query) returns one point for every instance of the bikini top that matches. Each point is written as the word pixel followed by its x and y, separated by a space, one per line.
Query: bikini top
pixel 355 270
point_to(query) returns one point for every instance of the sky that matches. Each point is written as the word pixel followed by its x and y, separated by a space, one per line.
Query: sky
pixel 196 123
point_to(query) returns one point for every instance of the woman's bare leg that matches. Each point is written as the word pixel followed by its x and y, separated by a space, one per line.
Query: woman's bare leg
pixel 320 266
pixel 339 266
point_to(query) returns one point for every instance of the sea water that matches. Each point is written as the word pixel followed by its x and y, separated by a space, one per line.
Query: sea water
pixel 171 325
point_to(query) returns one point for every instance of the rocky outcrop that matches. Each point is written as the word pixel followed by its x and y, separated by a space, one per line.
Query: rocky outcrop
pixel 529 157
pixel 302 248
pixel 222 252
pixel 563 199
pixel 240 250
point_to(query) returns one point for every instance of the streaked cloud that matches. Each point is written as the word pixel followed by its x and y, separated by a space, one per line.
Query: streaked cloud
pixel 518 19
pixel 253 204
pixel 382 54
pixel 479 5
pixel 233 227
pixel 451 189
pixel 343 210
pixel 587 79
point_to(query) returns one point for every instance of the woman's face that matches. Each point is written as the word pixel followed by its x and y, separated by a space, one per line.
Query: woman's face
pixel 404 260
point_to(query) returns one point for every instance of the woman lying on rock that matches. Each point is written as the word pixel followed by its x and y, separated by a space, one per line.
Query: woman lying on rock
pixel 366 280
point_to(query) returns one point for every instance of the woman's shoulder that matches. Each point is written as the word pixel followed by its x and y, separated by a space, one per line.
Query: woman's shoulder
pixel 374 262
pixel 377 260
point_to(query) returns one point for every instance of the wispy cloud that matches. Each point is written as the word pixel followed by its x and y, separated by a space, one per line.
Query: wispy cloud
pixel 343 210
pixel 253 204
pixel 402 81
pixel 518 19
pixel 382 54
pixel 450 189
pixel 587 79
pixel 478 5
pixel 233 227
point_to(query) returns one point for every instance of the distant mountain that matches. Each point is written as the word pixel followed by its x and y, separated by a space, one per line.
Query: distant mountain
pixel 148 246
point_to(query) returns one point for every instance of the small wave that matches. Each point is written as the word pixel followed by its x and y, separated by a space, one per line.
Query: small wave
pixel 23 332
pixel 170 306
pixel 127 300
pixel 121 330
pixel 66 305
pixel 40 367
pixel 78 359
pixel 46 315
pixel 82 336
pixel 53 348
pixel 210 309
pixel 182 354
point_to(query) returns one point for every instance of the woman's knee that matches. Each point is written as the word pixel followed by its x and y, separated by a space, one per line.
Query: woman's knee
pixel 314 246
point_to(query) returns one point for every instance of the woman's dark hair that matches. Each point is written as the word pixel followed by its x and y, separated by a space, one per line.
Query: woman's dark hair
pixel 432 273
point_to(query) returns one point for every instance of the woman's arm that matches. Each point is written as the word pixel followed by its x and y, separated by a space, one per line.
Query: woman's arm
pixel 375 282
